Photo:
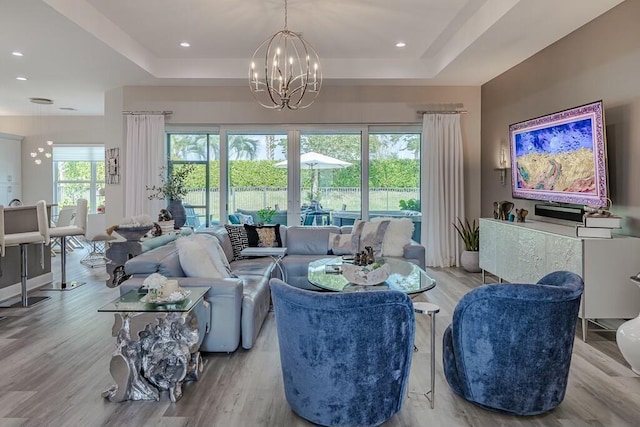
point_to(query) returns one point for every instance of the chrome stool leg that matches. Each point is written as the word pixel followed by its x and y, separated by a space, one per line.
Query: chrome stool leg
pixel 431 310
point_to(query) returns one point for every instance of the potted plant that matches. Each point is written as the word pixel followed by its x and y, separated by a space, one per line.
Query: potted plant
pixel 266 214
pixel 470 235
pixel 173 189
pixel 410 205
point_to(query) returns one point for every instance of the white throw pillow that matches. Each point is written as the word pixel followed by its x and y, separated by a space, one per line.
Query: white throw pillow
pixel 201 258
pixel 397 236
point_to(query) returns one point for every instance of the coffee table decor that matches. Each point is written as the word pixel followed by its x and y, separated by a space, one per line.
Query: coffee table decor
pixel 160 290
pixel 368 275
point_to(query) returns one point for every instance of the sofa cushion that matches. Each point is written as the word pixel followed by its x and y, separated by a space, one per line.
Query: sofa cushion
pixel 239 240
pixel 163 260
pixel 371 234
pixel 261 266
pixel 343 244
pixel 297 268
pixel 398 235
pixel 201 256
pixel 263 236
pixel 309 240
pixel 223 238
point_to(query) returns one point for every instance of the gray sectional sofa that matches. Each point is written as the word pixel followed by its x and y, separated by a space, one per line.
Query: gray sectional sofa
pixel 239 305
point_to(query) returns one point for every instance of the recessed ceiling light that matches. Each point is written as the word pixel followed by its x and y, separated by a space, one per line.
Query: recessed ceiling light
pixel 185 44
pixel 43 101
pixel 21 78
pixel 16 53
pixel 401 44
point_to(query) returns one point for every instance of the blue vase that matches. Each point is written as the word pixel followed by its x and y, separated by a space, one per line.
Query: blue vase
pixel 177 212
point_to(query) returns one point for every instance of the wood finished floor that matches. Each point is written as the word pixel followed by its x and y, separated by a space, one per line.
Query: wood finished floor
pixel 54 363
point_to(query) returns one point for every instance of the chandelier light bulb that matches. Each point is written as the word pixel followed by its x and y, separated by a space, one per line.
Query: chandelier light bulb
pixel 40 150
pixel 37 161
pixel 47 155
pixel 33 154
pixel 49 142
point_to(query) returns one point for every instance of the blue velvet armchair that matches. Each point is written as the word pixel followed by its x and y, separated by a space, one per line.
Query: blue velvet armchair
pixel 345 356
pixel 509 345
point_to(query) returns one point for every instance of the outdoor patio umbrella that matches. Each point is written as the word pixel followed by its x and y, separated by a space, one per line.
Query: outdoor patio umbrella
pixel 315 161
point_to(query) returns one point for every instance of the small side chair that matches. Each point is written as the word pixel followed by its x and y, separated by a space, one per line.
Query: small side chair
pixel 345 356
pixel 509 345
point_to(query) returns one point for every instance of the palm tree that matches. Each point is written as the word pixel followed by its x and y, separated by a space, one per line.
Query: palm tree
pixel 188 147
pixel 242 147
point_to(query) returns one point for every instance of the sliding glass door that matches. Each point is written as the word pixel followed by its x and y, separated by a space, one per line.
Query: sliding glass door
pixel 301 175
pixel 257 164
pixel 202 203
pixel 330 177
pixel 394 176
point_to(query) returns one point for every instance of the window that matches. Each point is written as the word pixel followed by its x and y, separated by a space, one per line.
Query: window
pixel 358 172
pixel 258 175
pixel 78 172
pixel 394 176
pixel 330 177
pixel 202 204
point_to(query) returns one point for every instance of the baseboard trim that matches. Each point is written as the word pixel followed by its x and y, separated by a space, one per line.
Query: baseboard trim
pixel 34 283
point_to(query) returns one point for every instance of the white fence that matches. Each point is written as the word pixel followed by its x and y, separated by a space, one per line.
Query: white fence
pixel 253 198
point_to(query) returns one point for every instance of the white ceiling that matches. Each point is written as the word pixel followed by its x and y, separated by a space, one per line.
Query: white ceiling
pixel 75 50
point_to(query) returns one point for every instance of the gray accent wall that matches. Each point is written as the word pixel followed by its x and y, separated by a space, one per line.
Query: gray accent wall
pixel 600 60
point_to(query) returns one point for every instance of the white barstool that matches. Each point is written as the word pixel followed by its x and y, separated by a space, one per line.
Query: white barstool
pixel 78 228
pixel 431 310
pixel 23 239
pixel 98 238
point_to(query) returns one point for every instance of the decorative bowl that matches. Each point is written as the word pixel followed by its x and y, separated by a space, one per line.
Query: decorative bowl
pixel 367 275
pixel 133 233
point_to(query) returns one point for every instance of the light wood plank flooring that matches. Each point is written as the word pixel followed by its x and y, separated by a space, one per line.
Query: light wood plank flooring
pixel 54 363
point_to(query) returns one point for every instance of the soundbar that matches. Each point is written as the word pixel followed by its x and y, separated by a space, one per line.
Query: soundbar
pixel 569 213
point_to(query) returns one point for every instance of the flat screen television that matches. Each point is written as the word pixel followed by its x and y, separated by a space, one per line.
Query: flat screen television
pixel 561 157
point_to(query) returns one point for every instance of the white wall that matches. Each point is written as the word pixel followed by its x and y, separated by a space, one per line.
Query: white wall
pixel 235 105
pixel 37 180
pixel 335 105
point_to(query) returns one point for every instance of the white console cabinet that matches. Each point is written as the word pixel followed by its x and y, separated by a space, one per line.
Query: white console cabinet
pixel 525 252
pixel 10 167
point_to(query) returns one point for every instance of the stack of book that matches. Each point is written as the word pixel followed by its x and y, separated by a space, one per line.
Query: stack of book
pixel 598 226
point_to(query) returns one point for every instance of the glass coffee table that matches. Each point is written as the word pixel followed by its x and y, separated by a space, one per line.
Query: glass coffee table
pixel 405 276
pixel 157 345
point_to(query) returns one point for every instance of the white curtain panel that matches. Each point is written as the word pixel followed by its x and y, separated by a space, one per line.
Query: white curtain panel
pixel 144 156
pixel 442 188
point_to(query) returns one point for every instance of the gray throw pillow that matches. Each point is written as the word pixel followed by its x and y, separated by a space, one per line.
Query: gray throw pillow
pixel 343 244
pixel 371 234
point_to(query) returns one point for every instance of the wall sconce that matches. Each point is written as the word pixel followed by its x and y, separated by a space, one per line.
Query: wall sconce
pixel 504 166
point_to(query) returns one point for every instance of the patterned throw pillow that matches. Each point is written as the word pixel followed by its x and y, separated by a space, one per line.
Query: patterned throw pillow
pixel 343 244
pixel 371 234
pixel 265 236
pixel 239 241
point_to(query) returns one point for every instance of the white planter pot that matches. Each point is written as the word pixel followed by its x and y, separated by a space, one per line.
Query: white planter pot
pixel 628 339
pixel 470 261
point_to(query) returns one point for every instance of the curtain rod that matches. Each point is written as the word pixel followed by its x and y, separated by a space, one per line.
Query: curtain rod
pixel 442 111
pixel 134 113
